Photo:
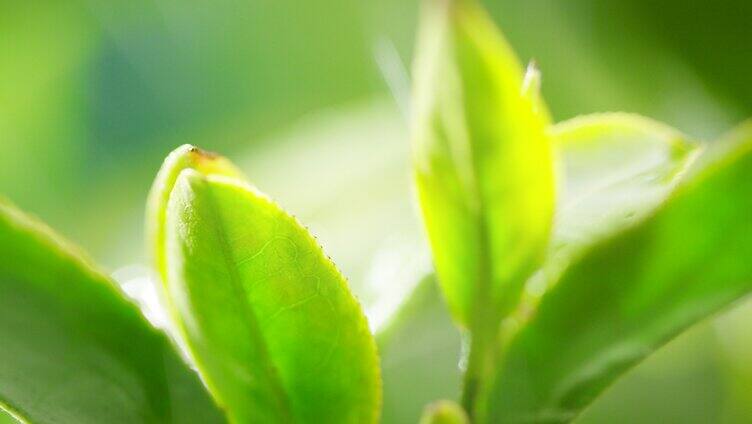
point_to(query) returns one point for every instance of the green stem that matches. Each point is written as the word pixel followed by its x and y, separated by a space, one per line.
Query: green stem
pixel 480 360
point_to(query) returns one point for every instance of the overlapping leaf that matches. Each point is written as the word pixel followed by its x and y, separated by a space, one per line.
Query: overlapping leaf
pixel 270 322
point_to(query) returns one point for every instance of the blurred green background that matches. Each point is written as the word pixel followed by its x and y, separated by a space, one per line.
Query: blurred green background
pixel 311 99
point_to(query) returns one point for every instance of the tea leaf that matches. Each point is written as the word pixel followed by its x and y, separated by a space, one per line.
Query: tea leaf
pixel 269 320
pixel 482 161
pixel 73 349
pixel 629 294
pixel 614 169
pixel 184 157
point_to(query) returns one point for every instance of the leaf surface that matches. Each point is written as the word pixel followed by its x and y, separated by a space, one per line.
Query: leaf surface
pixel 184 157
pixel 629 294
pixel 482 160
pixel 268 319
pixel 73 349
pixel 614 169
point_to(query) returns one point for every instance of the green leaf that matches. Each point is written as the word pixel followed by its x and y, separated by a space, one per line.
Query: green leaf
pixel 482 161
pixel 483 170
pixel 444 412
pixel 184 157
pixel 73 349
pixel 614 169
pixel 629 294
pixel 268 319
pixel 420 354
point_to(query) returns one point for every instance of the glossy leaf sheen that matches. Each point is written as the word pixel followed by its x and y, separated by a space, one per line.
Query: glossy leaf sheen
pixel 634 291
pixel 482 159
pixel 73 350
pixel 270 322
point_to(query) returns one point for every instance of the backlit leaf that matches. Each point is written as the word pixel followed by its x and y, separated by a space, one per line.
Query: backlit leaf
pixel 482 160
pixel 268 319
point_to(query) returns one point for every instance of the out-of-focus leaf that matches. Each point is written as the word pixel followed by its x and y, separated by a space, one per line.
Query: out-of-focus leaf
pixel 420 353
pixel 682 382
pixel 482 160
pixel 615 168
pixel 73 349
pixel 444 412
pixel 268 319
pixel 632 292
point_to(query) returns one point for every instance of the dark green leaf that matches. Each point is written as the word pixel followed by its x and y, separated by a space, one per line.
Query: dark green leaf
pixel 73 349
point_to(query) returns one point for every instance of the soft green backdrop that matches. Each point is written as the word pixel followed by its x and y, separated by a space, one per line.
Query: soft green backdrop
pixel 309 98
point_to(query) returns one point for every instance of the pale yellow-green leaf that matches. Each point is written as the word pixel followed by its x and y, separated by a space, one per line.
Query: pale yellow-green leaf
pixel 482 160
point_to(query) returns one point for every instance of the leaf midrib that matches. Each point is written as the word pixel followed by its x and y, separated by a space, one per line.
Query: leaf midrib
pixel 236 282
pixel 482 330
